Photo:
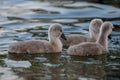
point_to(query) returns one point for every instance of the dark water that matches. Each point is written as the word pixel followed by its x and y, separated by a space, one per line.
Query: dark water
pixel 29 19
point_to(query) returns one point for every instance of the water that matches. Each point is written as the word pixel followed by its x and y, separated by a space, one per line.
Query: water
pixel 30 19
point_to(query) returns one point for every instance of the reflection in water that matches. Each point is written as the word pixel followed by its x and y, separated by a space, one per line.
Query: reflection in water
pixel 8 74
pixel 56 70
pixel 86 68
pixel 50 67
pixel 54 67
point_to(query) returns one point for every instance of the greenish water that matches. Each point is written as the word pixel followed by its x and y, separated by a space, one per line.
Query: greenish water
pixel 30 19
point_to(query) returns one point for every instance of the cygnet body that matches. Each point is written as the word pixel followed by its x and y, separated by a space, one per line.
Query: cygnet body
pixel 41 46
pixel 94 48
pixel 73 39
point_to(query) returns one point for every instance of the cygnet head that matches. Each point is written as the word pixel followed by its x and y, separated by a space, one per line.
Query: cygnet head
pixel 106 28
pixel 94 28
pixel 56 31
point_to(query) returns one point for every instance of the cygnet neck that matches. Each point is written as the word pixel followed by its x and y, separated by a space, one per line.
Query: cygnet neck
pixel 102 39
pixel 93 35
pixel 55 42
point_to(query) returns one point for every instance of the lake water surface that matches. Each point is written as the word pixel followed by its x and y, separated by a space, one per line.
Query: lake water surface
pixel 22 20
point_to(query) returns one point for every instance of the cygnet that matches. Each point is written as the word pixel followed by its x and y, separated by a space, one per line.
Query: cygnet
pixel 73 39
pixel 94 48
pixel 41 46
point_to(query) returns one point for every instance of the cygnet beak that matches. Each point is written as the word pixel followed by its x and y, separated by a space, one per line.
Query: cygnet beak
pixel 109 37
pixel 63 36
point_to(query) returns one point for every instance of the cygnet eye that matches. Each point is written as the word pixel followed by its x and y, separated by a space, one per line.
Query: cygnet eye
pixel 94 24
pixel 98 23
pixel 60 30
